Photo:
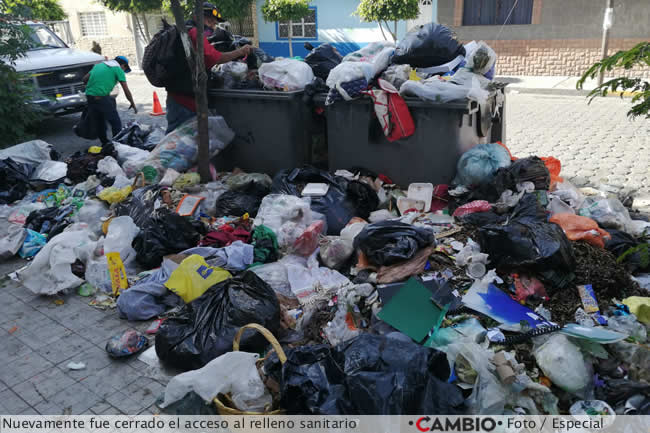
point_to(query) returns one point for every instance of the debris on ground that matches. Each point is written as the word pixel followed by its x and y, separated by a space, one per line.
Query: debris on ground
pixel 502 289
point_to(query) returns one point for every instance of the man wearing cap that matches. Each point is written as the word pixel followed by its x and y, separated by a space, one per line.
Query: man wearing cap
pixel 101 80
pixel 181 104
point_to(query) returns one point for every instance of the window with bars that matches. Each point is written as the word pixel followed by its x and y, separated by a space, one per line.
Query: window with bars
pixel 93 23
pixel 306 28
pixel 495 12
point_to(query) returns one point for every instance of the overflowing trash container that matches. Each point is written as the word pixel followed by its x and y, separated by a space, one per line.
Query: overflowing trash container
pixel 443 132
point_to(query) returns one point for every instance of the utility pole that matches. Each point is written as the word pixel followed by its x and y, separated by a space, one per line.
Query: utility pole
pixel 607 25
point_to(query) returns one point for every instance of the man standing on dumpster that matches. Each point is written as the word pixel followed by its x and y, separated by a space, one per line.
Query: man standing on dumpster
pixel 181 104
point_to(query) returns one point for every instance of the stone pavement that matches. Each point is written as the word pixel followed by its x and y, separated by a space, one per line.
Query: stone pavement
pixel 596 143
pixel 38 338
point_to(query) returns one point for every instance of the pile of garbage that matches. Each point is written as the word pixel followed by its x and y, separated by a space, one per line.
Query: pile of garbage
pixel 428 63
pixel 509 291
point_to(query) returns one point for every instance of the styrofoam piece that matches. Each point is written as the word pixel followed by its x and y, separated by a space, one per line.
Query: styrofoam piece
pixel 315 189
pixel 421 191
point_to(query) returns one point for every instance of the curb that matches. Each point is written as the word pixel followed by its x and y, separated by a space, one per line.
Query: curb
pixel 566 92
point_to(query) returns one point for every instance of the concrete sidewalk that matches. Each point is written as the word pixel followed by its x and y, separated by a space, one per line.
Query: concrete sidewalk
pixel 560 85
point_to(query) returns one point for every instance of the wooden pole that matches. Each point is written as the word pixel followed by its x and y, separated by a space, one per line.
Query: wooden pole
pixel 201 96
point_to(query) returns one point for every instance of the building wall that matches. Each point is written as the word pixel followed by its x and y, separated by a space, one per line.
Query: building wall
pixel 336 25
pixel 119 39
pixel 564 39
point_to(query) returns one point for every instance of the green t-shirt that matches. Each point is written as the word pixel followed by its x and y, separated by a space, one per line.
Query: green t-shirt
pixel 103 77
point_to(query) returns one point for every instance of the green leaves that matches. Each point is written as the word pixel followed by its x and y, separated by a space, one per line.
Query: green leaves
pixel 233 9
pixel 133 5
pixel 388 10
pixel 46 10
pixel 285 10
pixel 639 55
pixel 17 113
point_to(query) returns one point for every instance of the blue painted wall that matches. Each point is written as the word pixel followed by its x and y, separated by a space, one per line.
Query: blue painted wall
pixel 336 25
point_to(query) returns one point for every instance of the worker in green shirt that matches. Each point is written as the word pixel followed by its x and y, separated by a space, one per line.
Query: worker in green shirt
pixel 102 108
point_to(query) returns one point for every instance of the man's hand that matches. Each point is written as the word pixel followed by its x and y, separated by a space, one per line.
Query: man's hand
pixel 134 109
pixel 246 50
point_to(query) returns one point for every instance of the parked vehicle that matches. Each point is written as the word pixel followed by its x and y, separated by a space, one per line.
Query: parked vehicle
pixel 57 71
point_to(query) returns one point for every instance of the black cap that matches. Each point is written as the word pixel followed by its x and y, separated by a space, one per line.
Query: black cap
pixel 211 10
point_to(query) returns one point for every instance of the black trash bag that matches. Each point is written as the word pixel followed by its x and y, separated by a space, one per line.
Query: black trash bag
pixel 368 375
pixel 323 59
pixel 364 196
pixel 635 255
pixel 531 169
pixel 524 238
pixel 14 180
pixel 49 221
pixel 205 328
pixel 164 233
pixel 428 45
pixel 86 126
pixel 337 207
pixel 134 136
pixel 242 200
pixel 388 242
pixel 618 391
pixel 140 204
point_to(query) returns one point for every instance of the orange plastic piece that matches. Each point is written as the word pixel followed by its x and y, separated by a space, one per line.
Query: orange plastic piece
pixel 554 167
pixel 579 228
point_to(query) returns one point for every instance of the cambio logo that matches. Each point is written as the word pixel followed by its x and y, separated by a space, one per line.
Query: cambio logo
pixel 457 424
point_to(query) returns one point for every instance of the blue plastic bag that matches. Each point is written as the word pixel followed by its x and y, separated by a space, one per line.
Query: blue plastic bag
pixel 479 165
pixel 33 243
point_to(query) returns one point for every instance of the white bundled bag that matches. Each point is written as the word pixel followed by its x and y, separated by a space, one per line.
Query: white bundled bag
pixel 286 74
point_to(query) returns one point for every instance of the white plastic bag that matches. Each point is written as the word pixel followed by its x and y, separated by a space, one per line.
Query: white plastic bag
pixel 121 232
pixel 50 272
pixel 437 90
pixel 179 149
pixel 91 213
pixel 607 212
pixel 50 171
pixel 350 71
pixel 29 152
pixel 334 251
pixel 12 237
pixel 288 216
pixel 489 395
pixel 237 70
pixel 563 363
pixel 130 153
pixel 286 74
pixel 110 167
pixel 481 59
pixel 233 373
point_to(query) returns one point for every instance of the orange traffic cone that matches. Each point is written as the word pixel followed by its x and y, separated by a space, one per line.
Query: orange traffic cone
pixel 157 108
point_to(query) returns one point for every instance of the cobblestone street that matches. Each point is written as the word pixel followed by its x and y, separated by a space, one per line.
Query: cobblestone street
pixel 596 143
pixel 40 335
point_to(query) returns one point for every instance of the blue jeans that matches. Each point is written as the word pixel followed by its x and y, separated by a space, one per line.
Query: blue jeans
pixel 177 114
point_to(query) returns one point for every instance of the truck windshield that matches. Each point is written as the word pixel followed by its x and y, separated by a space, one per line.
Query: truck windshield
pixel 43 38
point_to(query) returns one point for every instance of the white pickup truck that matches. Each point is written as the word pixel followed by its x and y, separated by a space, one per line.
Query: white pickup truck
pixel 57 71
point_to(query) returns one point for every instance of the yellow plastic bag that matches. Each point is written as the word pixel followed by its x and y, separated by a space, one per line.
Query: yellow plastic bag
pixel 114 195
pixel 117 272
pixel 640 307
pixel 193 277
